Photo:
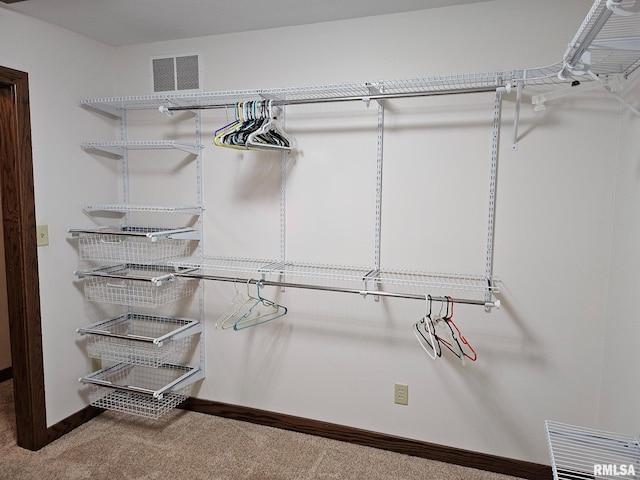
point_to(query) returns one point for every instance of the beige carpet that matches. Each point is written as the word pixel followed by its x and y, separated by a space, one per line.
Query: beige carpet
pixel 188 445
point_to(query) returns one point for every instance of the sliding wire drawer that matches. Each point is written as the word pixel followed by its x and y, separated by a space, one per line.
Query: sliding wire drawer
pixel 136 285
pixel 133 243
pixel 149 340
pixel 140 390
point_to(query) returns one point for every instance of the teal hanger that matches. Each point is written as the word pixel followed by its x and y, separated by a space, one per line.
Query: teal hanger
pixel 246 320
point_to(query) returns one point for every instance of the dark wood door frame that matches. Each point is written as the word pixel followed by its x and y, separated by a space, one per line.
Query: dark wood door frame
pixel 21 257
pixel 23 291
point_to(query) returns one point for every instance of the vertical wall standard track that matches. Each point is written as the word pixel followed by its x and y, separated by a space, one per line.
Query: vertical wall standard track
pixel 493 172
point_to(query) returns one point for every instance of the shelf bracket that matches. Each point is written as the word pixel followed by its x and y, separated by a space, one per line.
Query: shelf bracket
pixel 613 90
pixel 116 151
pixel 105 108
pixel 375 91
pixel 194 150
pixel 372 275
pixel 516 119
pixel 612 83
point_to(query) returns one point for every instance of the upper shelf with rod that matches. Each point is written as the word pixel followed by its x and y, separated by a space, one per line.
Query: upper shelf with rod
pixel 340 273
pixel 366 91
pixel 343 278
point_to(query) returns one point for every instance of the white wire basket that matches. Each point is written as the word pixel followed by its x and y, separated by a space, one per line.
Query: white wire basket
pixel 586 453
pixel 140 390
pixel 132 244
pixel 139 339
pixel 137 286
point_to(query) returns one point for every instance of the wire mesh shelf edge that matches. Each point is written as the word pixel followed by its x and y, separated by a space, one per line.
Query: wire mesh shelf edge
pixel 115 388
pixel 141 339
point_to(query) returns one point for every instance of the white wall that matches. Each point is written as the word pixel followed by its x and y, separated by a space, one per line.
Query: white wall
pixel 335 358
pixel 63 67
pixel 618 408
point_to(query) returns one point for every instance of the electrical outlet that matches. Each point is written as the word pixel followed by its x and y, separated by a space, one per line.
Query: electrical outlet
pixel 402 394
pixel 42 232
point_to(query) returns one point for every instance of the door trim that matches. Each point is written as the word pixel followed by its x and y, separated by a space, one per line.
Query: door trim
pixel 21 258
pixel 23 291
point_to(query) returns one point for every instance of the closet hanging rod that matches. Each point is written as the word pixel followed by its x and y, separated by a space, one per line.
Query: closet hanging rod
pixel 353 98
pixel 364 293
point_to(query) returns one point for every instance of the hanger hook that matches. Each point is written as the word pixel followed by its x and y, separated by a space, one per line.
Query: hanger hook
pixel 259 284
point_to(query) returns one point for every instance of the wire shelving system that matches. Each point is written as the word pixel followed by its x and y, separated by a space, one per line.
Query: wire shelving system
pixel 373 279
pixel 500 82
pixel 605 49
pixel 144 371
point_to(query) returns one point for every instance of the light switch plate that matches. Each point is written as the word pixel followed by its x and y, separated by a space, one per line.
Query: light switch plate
pixel 42 232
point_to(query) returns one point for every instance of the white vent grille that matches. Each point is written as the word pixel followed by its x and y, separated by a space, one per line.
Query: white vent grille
pixel 176 73
pixel 164 74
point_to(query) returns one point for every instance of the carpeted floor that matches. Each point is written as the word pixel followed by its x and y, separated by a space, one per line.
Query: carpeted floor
pixel 188 445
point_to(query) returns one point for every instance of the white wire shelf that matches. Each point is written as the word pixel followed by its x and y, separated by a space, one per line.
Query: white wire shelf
pixel 585 453
pixel 445 83
pixel 121 243
pixel 140 339
pixel 140 390
pixel 447 281
pixel 127 208
pixel 611 40
pixel 118 147
pixel 136 285
pixel 332 92
pixel 363 276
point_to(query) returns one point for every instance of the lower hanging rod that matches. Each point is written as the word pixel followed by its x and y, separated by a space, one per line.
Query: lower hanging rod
pixel 364 293
pixel 365 98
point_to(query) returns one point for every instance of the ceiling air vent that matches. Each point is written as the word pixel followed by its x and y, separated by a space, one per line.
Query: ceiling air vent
pixel 176 73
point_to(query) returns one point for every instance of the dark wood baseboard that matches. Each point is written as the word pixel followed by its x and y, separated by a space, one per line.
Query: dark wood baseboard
pixel 62 427
pixel 466 458
pixel 71 422
pixel 6 374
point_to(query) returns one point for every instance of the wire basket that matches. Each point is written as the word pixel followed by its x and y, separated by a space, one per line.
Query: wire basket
pixel 141 246
pixel 141 339
pixel 141 291
pixel 125 379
